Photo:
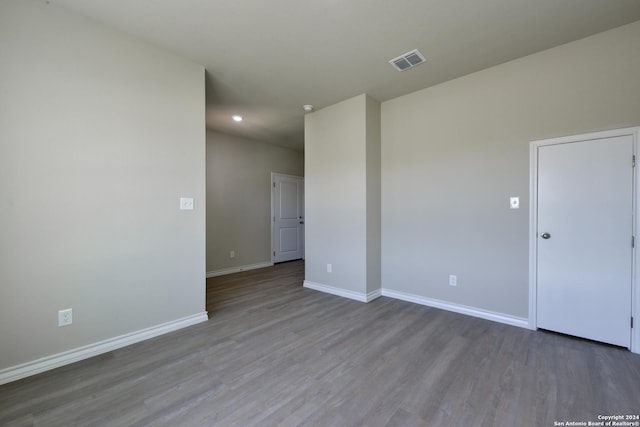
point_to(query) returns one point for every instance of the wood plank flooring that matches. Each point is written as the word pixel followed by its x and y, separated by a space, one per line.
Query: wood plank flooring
pixel 276 354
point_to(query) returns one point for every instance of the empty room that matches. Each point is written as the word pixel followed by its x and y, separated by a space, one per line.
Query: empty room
pixel 333 213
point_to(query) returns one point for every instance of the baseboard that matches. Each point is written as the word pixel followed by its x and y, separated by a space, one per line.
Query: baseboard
pixel 358 296
pixel 374 294
pixel 57 360
pixel 238 269
pixel 458 308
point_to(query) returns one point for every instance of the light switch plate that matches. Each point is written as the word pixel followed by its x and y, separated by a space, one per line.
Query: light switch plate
pixel 186 203
pixel 514 202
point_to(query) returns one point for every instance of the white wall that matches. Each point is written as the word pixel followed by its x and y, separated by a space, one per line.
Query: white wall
pixel 454 153
pixel 340 144
pixel 239 198
pixel 100 134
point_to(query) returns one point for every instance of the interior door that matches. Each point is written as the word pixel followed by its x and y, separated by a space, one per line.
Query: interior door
pixel 584 239
pixel 288 217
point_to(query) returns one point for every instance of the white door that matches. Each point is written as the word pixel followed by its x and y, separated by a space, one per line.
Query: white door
pixel 584 238
pixel 288 217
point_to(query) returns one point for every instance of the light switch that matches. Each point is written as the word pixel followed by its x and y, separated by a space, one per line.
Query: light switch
pixel 186 203
pixel 514 202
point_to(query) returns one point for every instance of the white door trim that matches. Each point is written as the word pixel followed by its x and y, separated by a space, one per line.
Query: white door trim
pixel 273 212
pixel 634 132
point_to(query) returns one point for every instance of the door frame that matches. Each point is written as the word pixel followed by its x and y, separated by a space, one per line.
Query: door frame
pixel 634 132
pixel 273 212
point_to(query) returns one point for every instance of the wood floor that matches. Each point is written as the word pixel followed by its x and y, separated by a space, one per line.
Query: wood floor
pixel 274 353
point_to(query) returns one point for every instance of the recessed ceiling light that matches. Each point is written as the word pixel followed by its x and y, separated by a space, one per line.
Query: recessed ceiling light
pixel 237 118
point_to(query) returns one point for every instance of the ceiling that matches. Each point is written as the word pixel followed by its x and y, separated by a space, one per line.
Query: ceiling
pixel 266 58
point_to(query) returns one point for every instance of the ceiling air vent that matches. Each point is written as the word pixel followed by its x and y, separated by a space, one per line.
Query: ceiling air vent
pixel 407 60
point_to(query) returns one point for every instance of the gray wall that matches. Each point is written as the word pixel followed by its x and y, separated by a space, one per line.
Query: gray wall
pixel 374 231
pixel 100 134
pixel 239 198
pixel 342 193
pixel 454 153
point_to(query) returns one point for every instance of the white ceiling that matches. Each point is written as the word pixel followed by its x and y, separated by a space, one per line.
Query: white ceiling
pixel 266 58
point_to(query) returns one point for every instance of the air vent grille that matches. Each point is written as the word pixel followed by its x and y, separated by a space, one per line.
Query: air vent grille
pixel 407 60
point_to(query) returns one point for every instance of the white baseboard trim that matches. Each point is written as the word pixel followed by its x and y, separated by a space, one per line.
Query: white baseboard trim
pixel 358 296
pixel 374 294
pixel 458 308
pixel 238 269
pixel 57 360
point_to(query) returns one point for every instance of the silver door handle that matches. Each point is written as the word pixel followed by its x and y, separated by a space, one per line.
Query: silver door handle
pixel 545 235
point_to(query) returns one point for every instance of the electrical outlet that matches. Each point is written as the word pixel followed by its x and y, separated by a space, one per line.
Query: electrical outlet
pixel 329 268
pixel 232 254
pixel 453 280
pixel 186 203
pixel 65 317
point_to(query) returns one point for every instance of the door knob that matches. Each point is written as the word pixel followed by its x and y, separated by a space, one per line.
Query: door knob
pixel 545 235
pixel 301 222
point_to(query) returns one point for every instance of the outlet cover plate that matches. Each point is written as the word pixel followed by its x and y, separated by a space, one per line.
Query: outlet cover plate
pixel 186 203
pixel 65 317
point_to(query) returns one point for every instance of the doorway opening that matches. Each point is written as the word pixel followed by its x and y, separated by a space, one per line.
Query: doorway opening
pixel 287 217
pixel 582 261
